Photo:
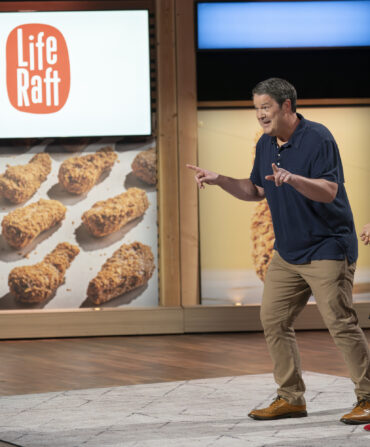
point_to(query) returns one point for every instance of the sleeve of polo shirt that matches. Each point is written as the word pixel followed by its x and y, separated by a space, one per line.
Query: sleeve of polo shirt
pixel 327 163
pixel 255 176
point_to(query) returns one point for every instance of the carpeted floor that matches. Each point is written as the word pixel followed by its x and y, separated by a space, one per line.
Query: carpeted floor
pixel 207 412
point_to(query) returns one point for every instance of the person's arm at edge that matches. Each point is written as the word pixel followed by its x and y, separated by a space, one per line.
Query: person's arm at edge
pixel 365 234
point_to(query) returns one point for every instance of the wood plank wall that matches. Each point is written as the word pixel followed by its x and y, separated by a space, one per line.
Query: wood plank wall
pixel 187 136
pixel 167 143
pixel 178 211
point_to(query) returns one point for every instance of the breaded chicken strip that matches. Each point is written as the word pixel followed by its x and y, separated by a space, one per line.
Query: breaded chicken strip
pixel 79 174
pixel 129 267
pixel 108 216
pixel 19 183
pixel 144 166
pixel 23 225
pixel 37 283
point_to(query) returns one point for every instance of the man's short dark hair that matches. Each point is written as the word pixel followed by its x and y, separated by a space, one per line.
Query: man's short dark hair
pixel 278 89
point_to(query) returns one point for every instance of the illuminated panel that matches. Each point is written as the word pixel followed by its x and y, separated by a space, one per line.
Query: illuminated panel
pixel 283 24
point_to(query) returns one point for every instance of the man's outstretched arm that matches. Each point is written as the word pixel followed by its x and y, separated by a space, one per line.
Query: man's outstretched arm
pixel 242 189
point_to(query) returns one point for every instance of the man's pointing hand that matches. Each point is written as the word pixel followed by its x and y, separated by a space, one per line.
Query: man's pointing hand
pixel 203 176
pixel 279 175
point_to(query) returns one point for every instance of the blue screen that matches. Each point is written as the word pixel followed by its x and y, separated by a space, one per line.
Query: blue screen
pixel 233 25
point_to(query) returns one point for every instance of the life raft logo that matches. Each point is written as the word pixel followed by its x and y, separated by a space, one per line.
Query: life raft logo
pixel 37 68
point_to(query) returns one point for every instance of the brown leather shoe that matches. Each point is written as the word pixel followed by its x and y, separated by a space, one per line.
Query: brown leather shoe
pixel 279 409
pixel 359 415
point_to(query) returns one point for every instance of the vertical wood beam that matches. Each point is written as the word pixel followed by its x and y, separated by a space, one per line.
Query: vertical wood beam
pixel 167 128
pixel 187 145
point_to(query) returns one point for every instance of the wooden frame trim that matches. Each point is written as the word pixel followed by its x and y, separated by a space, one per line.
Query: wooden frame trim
pixel 167 143
pixel 91 322
pixel 187 147
pixel 150 321
pixel 247 318
pixel 70 5
pixel 300 103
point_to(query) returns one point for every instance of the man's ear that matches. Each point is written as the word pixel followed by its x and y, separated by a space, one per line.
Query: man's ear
pixel 287 106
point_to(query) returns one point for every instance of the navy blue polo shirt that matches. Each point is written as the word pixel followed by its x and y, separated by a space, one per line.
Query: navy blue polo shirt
pixel 306 230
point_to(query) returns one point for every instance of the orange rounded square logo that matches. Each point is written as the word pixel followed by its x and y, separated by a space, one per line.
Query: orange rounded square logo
pixel 37 68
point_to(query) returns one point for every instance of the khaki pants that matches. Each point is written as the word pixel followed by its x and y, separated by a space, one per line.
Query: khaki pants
pixel 287 290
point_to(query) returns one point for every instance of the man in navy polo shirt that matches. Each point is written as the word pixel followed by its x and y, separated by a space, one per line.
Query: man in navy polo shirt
pixel 298 170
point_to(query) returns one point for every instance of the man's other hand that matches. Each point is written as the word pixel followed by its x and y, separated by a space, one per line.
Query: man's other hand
pixel 279 175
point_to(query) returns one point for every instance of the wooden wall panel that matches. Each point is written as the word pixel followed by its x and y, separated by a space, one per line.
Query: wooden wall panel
pixel 246 318
pixel 300 103
pixel 70 5
pixel 178 215
pixel 90 322
pixel 167 125
pixel 187 137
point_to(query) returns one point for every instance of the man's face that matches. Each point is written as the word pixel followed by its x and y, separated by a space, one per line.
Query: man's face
pixel 269 114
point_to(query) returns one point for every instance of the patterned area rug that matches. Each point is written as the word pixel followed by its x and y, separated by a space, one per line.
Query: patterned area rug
pixel 204 413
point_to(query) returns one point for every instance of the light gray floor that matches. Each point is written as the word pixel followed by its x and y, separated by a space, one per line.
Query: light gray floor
pixel 208 412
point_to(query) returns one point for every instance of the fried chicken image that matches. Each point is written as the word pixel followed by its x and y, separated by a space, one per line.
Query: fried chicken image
pixel 21 226
pixel 36 283
pixel 263 238
pixel 129 267
pixel 108 216
pixel 262 233
pixel 79 174
pixel 144 166
pixel 19 183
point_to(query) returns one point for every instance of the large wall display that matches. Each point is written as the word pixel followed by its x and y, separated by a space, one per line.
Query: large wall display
pixel 240 43
pixel 78 229
pixel 74 73
pixel 311 24
pixel 236 237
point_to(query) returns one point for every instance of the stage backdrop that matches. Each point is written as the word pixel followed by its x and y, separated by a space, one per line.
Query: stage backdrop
pixel 236 236
pixel 133 168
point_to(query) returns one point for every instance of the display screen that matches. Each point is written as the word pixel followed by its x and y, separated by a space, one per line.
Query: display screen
pixel 321 47
pixel 283 24
pixel 74 73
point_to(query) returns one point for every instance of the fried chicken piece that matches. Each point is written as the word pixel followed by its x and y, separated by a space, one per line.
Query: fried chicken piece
pixel 37 283
pixel 107 216
pixel 129 267
pixel 19 183
pixel 21 226
pixel 79 174
pixel 144 166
